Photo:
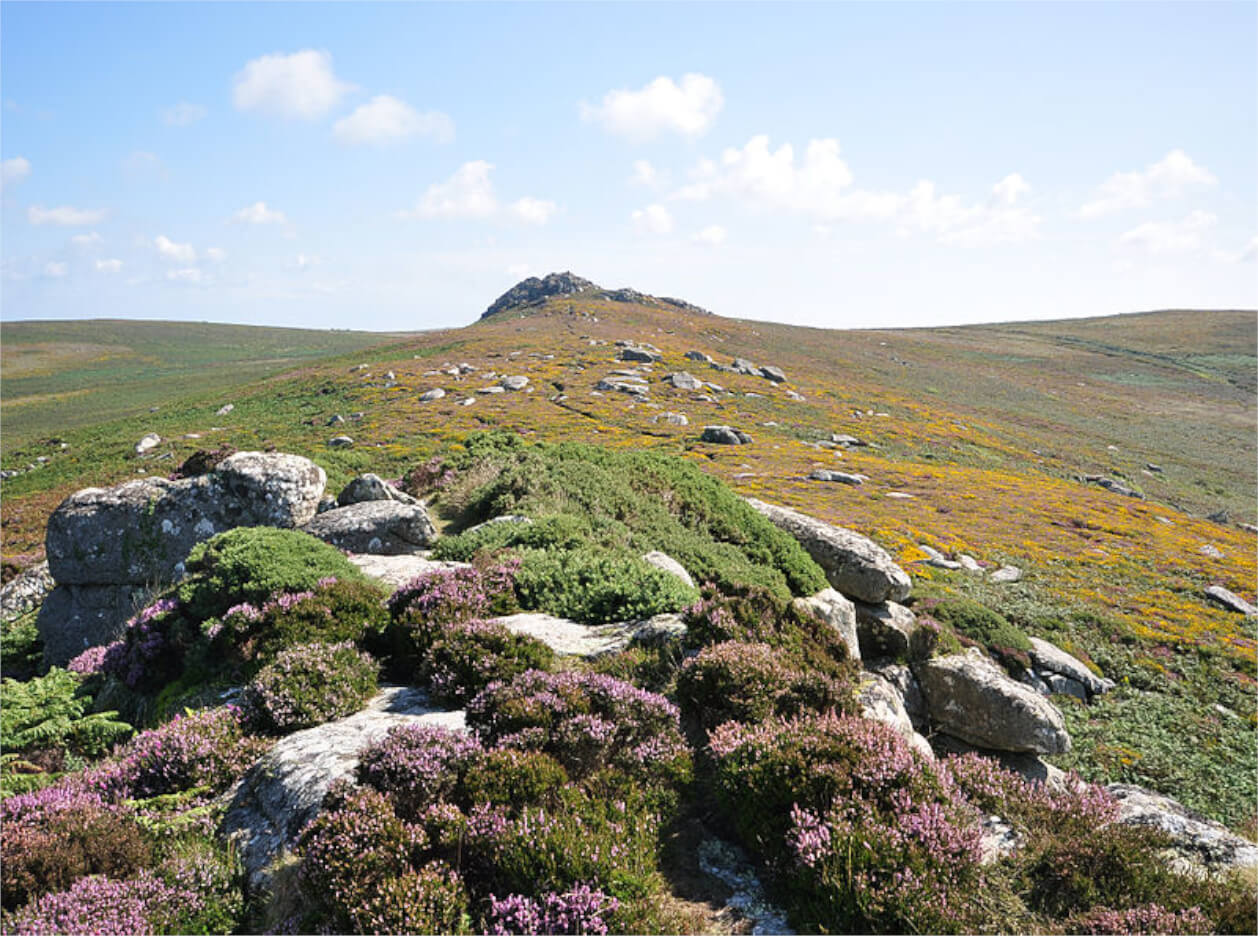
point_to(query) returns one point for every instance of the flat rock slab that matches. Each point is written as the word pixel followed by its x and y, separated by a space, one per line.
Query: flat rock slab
pixel 396 571
pixel 1231 601
pixel 283 792
pixel 568 638
pixel 970 697
pixel 854 565
pixel 383 527
pixel 1051 658
pixel 1197 840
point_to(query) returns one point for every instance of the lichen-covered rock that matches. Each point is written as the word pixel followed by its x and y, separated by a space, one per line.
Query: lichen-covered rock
pixel 879 700
pixel 682 380
pixel 75 617
pixel 381 527
pixel 668 564
pixel 284 790
pixel 1052 659
pixel 396 571
pixel 26 592
pixel 885 629
pixel 724 435
pixel 371 487
pixel 776 374
pixel 854 565
pixel 970 697
pixel 569 638
pixel 1198 841
pixel 837 612
pixel 1231 601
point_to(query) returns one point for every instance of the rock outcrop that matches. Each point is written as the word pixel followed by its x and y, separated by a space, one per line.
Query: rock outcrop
pixel 885 629
pixel 1231 601
pixel 837 612
pixel 371 487
pixel 854 565
pixel 568 638
pixel 724 435
pixel 1052 660
pixel 970 697
pixel 383 527
pixel 1199 843
pixel 667 563
pixel 532 291
pixel 26 592
pixel 879 700
pixel 396 571
pixel 285 789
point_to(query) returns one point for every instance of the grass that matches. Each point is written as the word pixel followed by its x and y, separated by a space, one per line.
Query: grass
pixel 987 427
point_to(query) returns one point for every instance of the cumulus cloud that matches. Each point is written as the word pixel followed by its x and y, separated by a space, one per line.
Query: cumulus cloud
pixel 469 194
pixel 298 86
pixel 55 270
pixel 177 253
pixel 533 210
pixel 662 106
pixel 14 170
pixel 713 235
pixel 109 266
pixel 259 213
pixel 386 119
pixel 644 174
pixel 1010 188
pixel 1169 177
pixel 653 219
pixel 182 114
pixel 64 216
pixel 1250 253
pixel 1170 236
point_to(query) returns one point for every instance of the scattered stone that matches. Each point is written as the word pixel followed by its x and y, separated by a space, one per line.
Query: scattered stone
pixel 744 366
pixel 698 356
pixel 224 410
pixel 1199 843
pixel 635 353
pixel 683 380
pixel 999 839
pixel 371 487
pixel 797 397
pixel 724 435
pixel 382 527
pixel 284 791
pixel 467 401
pixel 672 419
pixel 775 374
pixel 879 701
pixel 514 383
pixel 341 441
pixel 670 565
pixel 635 386
pixel 970 697
pixel 900 495
pixel 1116 486
pixel 336 419
pixel 1006 574
pixel 1212 551
pixel 1157 469
pixel 1064 685
pixel 731 866
pixel 148 443
pixel 491 390
pixel 436 393
pixel 842 477
pixel 838 613
pixel 1249 527
pixel 1050 658
pixel 26 592
pixel 970 564
pixel 885 629
pixel 1231 601
pixel 854 565
pixel 847 441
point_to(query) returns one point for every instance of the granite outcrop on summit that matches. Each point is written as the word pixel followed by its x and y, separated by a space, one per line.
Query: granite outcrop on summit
pixel 534 291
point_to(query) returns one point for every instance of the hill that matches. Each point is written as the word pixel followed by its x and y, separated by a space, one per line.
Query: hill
pixel 69 374
pixel 1111 461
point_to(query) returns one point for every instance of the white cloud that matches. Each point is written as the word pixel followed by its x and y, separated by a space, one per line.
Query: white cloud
pixel 178 253
pixel 1170 236
pixel 259 213
pixel 189 275
pixel 714 235
pixel 1167 178
pixel 653 219
pixel 56 270
pixel 1250 253
pixel 466 194
pixel 386 119
pixel 300 85
pixel 109 266
pixel 644 174
pixel 533 210
pixel 65 216
pixel 215 254
pixel 182 114
pixel 1008 189
pixel 662 105
pixel 86 240
pixel 14 170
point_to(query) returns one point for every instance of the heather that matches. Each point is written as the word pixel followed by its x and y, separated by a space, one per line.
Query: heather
pixel 308 685
pixel 467 656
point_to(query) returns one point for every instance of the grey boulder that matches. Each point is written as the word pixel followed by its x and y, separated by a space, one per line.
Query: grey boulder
pixel 1199 843
pixel 837 612
pixel 879 701
pixel 776 374
pixel 26 592
pixel 1231 601
pixel 371 487
pixel 724 435
pixel 885 629
pixel 378 527
pixel 634 353
pixel 970 697
pixel 75 617
pixel 683 380
pixel 841 477
pixel 855 565
pixel 667 563
pixel 1051 659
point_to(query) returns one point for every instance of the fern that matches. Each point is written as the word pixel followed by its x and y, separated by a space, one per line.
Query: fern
pixel 51 712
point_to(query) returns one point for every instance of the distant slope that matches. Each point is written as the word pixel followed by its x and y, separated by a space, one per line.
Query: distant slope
pixel 59 375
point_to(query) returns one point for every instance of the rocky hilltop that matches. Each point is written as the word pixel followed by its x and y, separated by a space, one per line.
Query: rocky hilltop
pixel 532 292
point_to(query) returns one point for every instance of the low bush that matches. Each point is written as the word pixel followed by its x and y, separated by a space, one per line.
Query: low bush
pixel 990 630
pixel 579 910
pixel 418 765
pixel 201 867
pixel 138 906
pixel 55 836
pixel 431 899
pixel 21 649
pixel 152 651
pixel 307 686
pixel 587 722
pixel 560 532
pixel 748 682
pixel 467 656
pixel 598 588
pixel 511 777
pixel 447 596
pixel 251 564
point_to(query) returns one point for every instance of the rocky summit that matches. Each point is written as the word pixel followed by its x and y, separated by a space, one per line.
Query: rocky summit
pixel 532 292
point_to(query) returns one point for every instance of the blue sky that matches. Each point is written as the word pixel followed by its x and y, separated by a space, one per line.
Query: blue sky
pixel 397 166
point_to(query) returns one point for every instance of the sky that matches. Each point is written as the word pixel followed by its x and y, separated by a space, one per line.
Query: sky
pixel 397 166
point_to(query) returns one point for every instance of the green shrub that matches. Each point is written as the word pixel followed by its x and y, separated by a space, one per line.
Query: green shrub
pixel 990 630
pixel 511 777
pixel 21 649
pixel 251 564
pixel 213 872
pixel 598 588
pixel 429 900
pixel 467 656
pixel 558 531
pixel 307 686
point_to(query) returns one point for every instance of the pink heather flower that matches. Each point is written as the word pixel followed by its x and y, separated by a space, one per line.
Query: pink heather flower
pixel 90 660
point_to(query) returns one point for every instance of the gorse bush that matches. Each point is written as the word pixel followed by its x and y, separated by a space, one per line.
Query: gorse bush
pixel 598 588
pixel 309 685
pixel 631 503
pixel 467 656
pixel 252 564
